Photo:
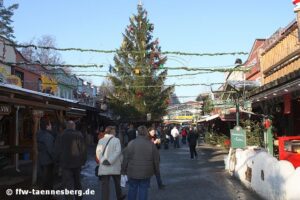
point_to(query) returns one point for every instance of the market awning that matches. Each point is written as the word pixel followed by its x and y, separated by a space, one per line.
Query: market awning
pixel 231 115
pixel 176 121
pixel 279 87
pixel 209 118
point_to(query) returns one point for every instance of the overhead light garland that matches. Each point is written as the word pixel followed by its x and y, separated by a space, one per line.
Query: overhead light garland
pixel 119 51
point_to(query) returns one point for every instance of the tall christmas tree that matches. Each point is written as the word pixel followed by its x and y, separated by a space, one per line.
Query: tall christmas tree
pixel 138 76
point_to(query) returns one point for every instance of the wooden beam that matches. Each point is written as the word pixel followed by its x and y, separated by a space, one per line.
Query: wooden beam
pixel 34 104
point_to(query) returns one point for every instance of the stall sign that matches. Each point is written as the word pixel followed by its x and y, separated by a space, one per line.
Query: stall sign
pixel 4 109
pixel 238 137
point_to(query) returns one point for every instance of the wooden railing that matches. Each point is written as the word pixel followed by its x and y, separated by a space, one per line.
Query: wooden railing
pixel 284 48
pixel 281 59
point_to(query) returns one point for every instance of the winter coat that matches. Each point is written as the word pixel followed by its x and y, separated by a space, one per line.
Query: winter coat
pixel 71 149
pixel 141 159
pixel 131 133
pixel 192 138
pixel 175 133
pixel 45 142
pixel 112 154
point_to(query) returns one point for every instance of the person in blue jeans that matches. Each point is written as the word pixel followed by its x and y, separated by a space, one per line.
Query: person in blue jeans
pixel 140 163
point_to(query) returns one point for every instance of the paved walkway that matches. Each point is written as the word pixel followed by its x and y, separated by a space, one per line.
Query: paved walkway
pixel 186 179
pixel 203 178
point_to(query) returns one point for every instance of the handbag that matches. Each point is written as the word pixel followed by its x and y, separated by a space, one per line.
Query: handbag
pixel 97 167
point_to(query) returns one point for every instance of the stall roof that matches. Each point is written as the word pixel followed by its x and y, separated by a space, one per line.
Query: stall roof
pixel 38 99
pixel 209 118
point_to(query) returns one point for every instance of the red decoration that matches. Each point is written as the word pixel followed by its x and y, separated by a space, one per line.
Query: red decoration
pixel 227 143
pixel 267 123
pixel 168 101
pixel 139 94
pixel 296 2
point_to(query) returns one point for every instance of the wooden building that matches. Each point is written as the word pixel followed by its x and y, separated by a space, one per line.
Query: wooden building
pixel 279 95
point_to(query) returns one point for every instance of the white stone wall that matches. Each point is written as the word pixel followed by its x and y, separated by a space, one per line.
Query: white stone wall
pixel 281 181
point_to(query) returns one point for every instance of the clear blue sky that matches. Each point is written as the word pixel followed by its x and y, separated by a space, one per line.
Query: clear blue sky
pixel 181 25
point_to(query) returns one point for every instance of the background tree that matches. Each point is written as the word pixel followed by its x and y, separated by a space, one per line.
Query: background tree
pixel 208 105
pixel 138 76
pixel 45 56
pixel 6 28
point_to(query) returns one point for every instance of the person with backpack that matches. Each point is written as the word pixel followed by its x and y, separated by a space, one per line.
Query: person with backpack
pixel 71 154
pixel 108 152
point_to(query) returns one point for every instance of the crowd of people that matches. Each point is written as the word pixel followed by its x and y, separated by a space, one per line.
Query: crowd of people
pixel 138 157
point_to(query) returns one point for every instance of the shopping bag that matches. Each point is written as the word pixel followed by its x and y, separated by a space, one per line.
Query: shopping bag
pixel 124 179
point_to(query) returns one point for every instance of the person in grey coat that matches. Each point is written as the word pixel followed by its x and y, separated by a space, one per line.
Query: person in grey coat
pixel 71 154
pixel 141 162
pixel 45 142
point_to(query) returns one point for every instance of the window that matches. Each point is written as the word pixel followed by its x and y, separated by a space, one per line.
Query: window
pixel 21 76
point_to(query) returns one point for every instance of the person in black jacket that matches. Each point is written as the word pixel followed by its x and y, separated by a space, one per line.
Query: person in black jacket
pixel 131 133
pixel 192 139
pixel 71 154
pixel 45 142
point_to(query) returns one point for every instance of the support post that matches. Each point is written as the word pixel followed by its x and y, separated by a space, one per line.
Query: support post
pixel 36 122
pixel 17 138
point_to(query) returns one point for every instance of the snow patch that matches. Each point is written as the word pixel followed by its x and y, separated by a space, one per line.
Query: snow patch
pixel 270 178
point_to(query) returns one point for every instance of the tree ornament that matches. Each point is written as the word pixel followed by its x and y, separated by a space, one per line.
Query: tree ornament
pixel 143 44
pixel 168 101
pixel 130 28
pixel 139 94
pixel 132 18
pixel 124 44
pixel 137 71
pixel 161 66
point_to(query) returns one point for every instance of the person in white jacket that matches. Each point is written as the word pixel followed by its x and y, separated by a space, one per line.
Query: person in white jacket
pixel 110 159
pixel 175 135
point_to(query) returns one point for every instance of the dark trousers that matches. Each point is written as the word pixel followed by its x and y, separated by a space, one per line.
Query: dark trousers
pixel 71 181
pixel 47 178
pixel 158 180
pixel 176 142
pixel 183 140
pixel 193 151
pixel 105 186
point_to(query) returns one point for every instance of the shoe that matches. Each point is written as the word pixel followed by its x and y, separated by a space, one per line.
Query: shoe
pixel 162 187
pixel 122 197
